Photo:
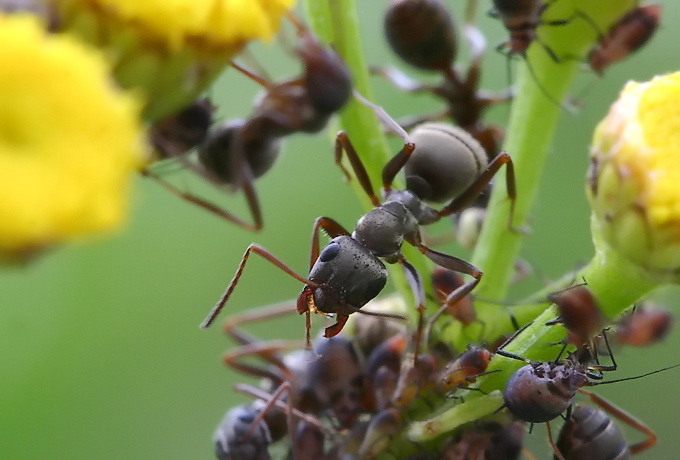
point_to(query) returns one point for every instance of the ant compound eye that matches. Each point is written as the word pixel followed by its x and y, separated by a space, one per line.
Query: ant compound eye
pixel 329 252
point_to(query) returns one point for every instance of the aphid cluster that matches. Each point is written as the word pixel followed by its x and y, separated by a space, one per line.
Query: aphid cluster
pixel 348 395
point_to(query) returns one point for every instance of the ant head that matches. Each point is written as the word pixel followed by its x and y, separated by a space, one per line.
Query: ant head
pixel 445 162
pixel 421 32
pixel 350 276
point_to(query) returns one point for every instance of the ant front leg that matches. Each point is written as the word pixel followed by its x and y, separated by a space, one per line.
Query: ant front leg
pixel 262 252
pixel 457 265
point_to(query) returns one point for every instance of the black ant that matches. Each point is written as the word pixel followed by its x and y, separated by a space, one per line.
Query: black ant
pixel 589 434
pixel 422 33
pixel 236 152
pixel 348 272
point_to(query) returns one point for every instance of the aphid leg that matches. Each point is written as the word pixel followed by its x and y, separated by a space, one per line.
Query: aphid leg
pixel 268 351
pixel 558 454
pixel 237 275
pixel 625 418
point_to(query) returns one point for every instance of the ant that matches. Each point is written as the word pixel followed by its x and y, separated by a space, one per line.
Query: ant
pixel 625 37
pixel 422 33
pixel 589 434
pixel 348 272
pixel 236 152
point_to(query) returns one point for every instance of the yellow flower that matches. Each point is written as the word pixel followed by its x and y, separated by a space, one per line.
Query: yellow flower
pixel 634 180
pixel 69 141
pixel 172 49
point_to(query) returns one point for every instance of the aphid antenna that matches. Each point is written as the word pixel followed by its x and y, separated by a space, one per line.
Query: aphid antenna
pixel 635 377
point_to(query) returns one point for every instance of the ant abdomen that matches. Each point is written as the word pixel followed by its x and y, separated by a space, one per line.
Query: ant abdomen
pixel 589 434
pixel 539 392
pixel 215 154
pixel 421 32
pixel 445 162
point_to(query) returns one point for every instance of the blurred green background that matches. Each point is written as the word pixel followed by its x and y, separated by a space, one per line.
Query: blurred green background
pixel 100 351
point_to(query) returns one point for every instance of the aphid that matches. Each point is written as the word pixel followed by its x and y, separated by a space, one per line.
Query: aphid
pixel 644 325
pixel 578 312
pixel 486 441
pixel 443 283
pixel 589 434
pixel 625 37
pixel 237 439
pixel 541 391
pixel 521 18
pixel 464 370
pixel 348 272
pixel 422 33
pixel 236 152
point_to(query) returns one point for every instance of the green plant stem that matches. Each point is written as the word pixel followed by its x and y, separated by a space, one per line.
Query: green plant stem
pixel 533 119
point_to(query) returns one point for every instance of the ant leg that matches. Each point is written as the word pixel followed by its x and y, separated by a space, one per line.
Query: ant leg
pixel 232 284
pixel 477 187
pixel 342 142
pixel 625 418
pixel 558 454
pixel 211 207
pixel 416 285
pixel 264 396
pixel 267 351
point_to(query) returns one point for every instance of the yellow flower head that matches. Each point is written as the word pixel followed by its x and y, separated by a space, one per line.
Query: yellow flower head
pixel 69 141
pixel 634 181
pixel 171 49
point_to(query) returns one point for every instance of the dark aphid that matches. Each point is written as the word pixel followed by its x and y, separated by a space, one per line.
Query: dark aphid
pixel 644 325
pixel 348 272
pixel 236 438
pixel 589 434
pixel 579 313
pixel 421 32
pixel 486 441
pixel 330 384
pixel 464 370
pixel 625 36
pixel 382 428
